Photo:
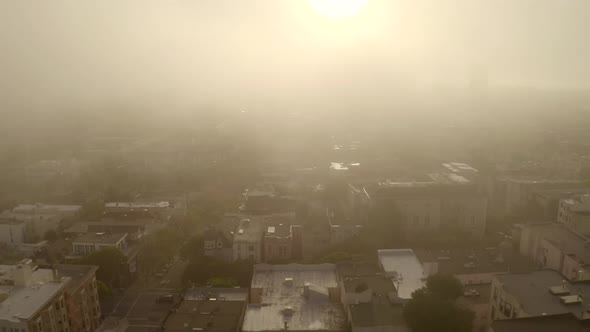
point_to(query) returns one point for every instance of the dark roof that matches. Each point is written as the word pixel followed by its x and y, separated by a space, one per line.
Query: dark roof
pixel 278 230
pixel 456 262
pixel 349 269
pixel 212 234
pixel 209 315
pixel 130 215
pixel 377 284
pixel 552 323
pixel 379 312
pixel 78 273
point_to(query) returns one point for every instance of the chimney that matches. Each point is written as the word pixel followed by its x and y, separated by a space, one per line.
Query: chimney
pixel 55 273
pixel 22 273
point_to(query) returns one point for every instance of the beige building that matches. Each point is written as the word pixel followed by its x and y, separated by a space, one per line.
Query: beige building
pixel 575 213
pixel 554 246
pixel 31 299
pixel 534 294
pixel 448 200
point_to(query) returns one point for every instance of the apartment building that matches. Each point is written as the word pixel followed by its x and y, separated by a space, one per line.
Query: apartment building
pixel 574 212
pixel 32 299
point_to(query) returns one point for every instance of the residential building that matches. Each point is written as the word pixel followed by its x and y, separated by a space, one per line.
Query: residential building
pixel 247 241
pixel 278 243
pixel 294 297
pixel 162 209
pixel 32 299
pixel 35 224
pixel 547 323
pixel 265 199
pixel 510 193
pixel 379 315
pixel 89 243
pixel 218 244
pixel 434 202
pixel 82 301
pixel 135 230
pixel 554 246
pixel 210 309
pixel 63 211
pixel 575 213
pixel 547 200
pixel 12 230
pixel 538 293
pixel 475 269
pixel 405 271
pixel 369 298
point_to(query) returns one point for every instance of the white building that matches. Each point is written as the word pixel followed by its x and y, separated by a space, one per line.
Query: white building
pixel 294 297
pixel 404 269
pixel 575 213
pixel 89 243
pixel 37 220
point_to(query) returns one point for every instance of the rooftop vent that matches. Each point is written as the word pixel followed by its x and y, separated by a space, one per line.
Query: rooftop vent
pixel 559 290
pixel 571 299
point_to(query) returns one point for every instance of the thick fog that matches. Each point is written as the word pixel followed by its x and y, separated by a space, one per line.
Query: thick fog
pixel 280 54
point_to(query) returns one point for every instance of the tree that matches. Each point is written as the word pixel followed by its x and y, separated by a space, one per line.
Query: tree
pixel 50 236
pixel 111 264
pixel 433 308
pixel 445 287
pixel 103 290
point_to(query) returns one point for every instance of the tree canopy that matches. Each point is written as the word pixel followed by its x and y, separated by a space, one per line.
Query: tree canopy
pixel 433 308
pixel 111 264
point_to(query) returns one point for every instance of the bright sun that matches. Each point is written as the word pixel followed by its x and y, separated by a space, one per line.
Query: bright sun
pixel 338 8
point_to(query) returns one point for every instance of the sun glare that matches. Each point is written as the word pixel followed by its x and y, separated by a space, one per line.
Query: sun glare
pixel 339 8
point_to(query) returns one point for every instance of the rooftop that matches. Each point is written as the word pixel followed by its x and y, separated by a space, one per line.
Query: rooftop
pixel 77 273
pixel 296 295
pixel 378 312
pixel 250 230
pixel 210 315
pixel 572 244
pixel 549 323
pixel 532 292
pixel 100 238
pixel 278 230
pixel 21 303
pixel 39 207
pixel 138 205
pixel 471 261
pixel 222 294
pixel 404 268
pixel 377 284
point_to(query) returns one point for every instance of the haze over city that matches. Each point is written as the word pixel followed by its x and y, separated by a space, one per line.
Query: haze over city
pixel 303 165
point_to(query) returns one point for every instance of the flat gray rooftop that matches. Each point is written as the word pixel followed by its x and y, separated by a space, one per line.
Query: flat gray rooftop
pixel 532 291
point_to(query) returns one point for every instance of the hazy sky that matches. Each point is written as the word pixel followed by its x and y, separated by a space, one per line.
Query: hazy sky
pixel 185 52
